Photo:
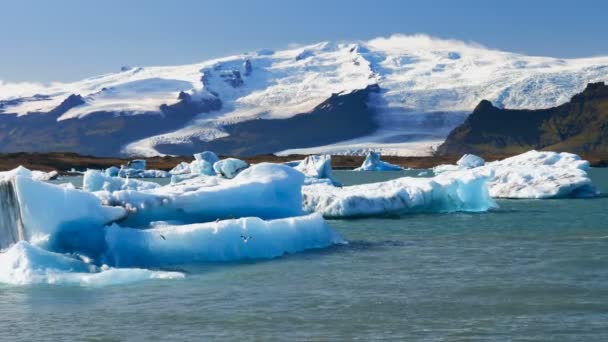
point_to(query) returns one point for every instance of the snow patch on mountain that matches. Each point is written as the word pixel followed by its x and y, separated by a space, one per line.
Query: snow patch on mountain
pixel 428 86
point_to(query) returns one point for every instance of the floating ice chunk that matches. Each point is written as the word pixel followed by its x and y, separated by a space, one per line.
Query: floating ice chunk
pixel 372 162
pixel 229 167
pixel 264 190
pixel 317 170
pixel 245 238
pixel 95 180
pixel 45 209
pixel 24 172
pixel 137 164
pixel 316 166
pixel 138 173
pixel 445 193
pixel 112 171
pixel 439 169
pixel 470 161
pixel 203 163
pixel 182 168
pixel 44 176
pixel 25 264
pixel 537 175
pixel 207 156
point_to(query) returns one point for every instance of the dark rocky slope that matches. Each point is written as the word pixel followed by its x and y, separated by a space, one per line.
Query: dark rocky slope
pixel 341 117
pixel 578 126
pixel 100 133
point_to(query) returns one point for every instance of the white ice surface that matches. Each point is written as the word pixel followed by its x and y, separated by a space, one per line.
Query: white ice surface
pixel 444 193
pixel 534 174
pixel 264 190
pixel 26 264
pixel 228 240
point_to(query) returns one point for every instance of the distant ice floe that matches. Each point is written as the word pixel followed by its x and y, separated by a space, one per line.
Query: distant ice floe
pixel 372 162
pixel 458 191
pixel 317 169
pixel 534 174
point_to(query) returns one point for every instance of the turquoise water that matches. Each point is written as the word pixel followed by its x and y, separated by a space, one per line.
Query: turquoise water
pixel 533 270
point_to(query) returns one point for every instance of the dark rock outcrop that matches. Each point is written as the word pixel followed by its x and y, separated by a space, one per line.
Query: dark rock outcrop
pixel 101 133
pixel 579 126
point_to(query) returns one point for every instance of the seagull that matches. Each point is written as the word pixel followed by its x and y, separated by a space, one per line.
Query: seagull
pixel 246 238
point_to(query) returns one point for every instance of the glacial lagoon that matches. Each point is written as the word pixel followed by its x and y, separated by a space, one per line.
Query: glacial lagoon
pixel 531 269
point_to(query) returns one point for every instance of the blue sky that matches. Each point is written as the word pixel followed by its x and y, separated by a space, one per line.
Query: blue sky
pixel 63 40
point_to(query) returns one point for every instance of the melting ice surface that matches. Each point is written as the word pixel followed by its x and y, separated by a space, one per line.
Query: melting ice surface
pixel 458 191
pixel 120 230
pixel 534 174
pixel 65 235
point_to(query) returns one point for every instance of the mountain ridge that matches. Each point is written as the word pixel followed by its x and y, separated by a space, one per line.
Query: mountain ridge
pixel 427 86
pixel 579 126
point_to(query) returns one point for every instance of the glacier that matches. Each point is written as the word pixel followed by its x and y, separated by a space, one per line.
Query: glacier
pixel 533 175
pixel 452 192
pixel 424 90
pixel 372 162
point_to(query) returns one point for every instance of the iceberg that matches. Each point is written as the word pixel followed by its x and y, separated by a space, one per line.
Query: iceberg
pixel 138 173
pixel 203 163
pixel 470 161
pixel 24 172
pixel 372 162
pixel 95 180
pixel 316 166
pixel 237 239
pixel 265 190
pixel 26 264
pixel 39 211
pixel 61 235
pixel 458 191
pixel 229 167
pixel 137 164
pixel 182 168
pixel 535 175
pixel 317 170
pixel 112 171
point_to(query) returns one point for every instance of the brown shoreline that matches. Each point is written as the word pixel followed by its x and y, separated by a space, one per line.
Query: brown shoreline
pixel 65 161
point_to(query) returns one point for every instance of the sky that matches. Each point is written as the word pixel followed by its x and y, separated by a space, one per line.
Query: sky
pixel 66 40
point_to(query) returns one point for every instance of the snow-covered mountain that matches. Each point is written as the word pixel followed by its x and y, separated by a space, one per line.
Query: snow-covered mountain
pixel 397 95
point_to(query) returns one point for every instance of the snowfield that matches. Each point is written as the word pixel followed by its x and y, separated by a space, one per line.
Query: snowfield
pixel 428 86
